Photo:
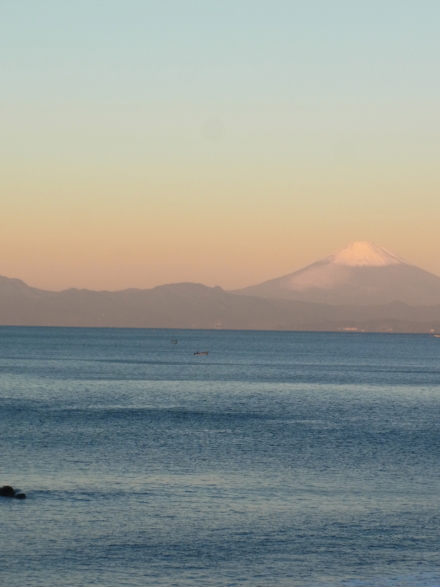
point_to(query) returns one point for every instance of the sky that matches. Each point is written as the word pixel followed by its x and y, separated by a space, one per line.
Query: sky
pixel 146 142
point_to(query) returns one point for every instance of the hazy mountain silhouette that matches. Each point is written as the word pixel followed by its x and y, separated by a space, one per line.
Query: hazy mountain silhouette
pixel 360 274
pixel 189 305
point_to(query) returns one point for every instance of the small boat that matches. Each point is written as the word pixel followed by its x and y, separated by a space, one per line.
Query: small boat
pixel 204 353
pixel 437 335
pixel 174 341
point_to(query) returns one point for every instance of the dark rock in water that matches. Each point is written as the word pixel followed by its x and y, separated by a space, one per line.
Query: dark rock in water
pixel 8 491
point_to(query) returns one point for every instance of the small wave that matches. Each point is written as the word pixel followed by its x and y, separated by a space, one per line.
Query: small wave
pixel 417 580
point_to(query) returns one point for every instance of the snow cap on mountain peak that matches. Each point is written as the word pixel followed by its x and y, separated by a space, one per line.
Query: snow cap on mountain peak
pixel 363 254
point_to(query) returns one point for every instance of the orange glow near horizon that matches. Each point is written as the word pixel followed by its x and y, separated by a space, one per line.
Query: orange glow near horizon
pixel 217 234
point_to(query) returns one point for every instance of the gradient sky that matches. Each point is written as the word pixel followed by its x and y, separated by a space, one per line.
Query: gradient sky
pixel 223 142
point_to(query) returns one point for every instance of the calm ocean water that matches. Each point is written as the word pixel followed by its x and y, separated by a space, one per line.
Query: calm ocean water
pixel 280 459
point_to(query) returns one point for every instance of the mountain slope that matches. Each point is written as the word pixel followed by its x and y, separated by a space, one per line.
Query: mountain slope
pixel 189 305
pixel 361 274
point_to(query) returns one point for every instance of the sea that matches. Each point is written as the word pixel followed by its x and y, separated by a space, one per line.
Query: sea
pixel 280 459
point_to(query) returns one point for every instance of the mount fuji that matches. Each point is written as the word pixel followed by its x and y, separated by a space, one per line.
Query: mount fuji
pixel 361 273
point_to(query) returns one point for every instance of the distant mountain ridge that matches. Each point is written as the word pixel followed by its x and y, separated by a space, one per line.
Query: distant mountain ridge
pixel 360 274
pixel 190 305
pixel 360 287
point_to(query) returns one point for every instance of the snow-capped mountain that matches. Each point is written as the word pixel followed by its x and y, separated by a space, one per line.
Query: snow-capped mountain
pixel 361 273
pixel 363 254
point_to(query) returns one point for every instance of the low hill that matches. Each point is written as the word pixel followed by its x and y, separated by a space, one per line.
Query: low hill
pixel 189 305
